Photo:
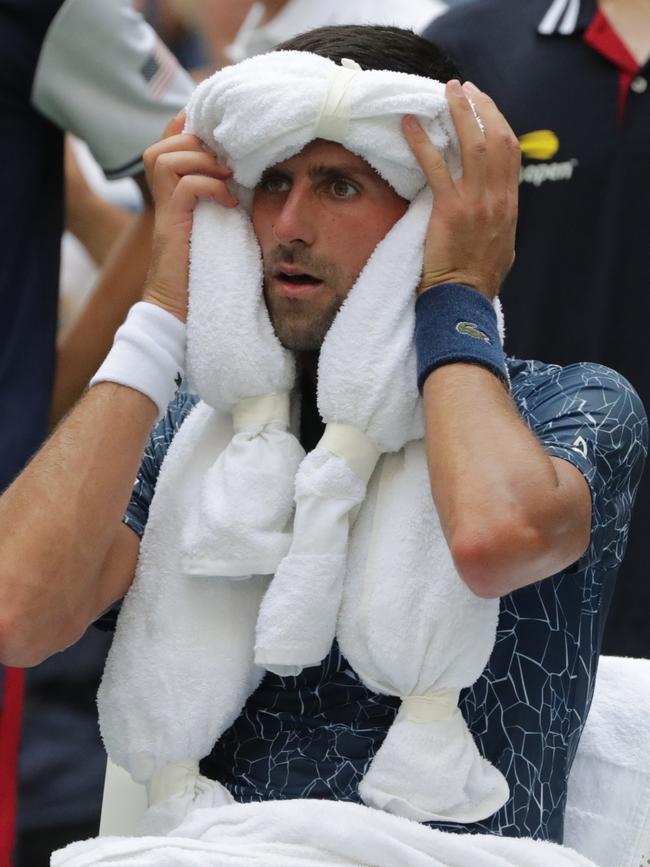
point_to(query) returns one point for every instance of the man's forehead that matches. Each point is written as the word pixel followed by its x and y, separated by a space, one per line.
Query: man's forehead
pixel 325 155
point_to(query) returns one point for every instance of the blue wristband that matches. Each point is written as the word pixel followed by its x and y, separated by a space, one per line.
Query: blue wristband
pixel 455 323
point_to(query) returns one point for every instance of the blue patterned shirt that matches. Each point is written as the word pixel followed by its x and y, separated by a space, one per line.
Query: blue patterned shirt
pixel 313 736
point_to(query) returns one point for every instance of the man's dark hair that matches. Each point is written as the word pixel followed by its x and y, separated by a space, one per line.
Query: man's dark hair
pixel 376 47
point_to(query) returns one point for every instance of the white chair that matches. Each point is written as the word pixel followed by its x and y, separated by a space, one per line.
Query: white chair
pixel 123 803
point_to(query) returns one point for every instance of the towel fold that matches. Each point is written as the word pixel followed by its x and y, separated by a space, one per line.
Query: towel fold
pixel 312 834
pixel 367 384
pixel 175 792
pixel 181 664
pixel 236 363
pixel 450 636
pixel 266 109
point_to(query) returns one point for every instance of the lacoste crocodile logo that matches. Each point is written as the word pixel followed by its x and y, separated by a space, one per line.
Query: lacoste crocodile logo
pixel 471 329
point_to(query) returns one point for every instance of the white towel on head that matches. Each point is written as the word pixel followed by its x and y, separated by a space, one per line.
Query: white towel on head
pixel 312 834
pixel 224 497
pixel 266 109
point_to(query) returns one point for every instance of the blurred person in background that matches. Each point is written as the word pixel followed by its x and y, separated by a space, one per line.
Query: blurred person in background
pixel 97 211
pixel 98 70
pixel 197 31
pixel 219 22
pixel 572 77
pixel 270 22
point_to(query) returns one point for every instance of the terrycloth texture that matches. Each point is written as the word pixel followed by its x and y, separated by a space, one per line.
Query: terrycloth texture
pixel 175 792
pixel 608 802
pixel 470 327
pixel 239 112
pixel 450 635
pixel 233 358
pixel 366 380
pixel 223 503
pixel 180 667
pixel 312 834
pixel 266 109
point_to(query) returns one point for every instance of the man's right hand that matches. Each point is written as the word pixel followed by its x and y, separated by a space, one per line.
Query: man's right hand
pixel 180 170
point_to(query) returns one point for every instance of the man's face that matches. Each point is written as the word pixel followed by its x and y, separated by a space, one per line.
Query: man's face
pixel 318 216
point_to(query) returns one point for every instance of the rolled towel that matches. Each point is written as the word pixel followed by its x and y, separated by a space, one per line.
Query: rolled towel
pixel 422 635
pixel 238 525
pixel 180 667
pixel 367 395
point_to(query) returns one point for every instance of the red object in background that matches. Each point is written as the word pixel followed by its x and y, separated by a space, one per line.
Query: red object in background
pixel 10 719
pixel 602 37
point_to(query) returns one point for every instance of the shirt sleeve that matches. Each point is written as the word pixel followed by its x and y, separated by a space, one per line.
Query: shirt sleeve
pixel 104 75
pixel 137 512
pixel 591 416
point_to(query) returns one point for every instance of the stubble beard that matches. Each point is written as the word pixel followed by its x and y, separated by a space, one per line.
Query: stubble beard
pixel 301 324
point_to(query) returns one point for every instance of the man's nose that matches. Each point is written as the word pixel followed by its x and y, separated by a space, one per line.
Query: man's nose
pixel 296 220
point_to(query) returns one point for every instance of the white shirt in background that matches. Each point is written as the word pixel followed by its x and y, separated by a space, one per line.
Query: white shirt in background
pixel 297 16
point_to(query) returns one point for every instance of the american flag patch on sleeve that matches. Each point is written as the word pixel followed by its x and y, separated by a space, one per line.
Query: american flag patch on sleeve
pixel 159 69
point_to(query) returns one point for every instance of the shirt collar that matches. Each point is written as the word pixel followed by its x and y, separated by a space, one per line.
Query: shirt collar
pixel 566 17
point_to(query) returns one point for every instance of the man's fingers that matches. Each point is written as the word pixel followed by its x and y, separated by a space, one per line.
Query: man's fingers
pixel 503 153
pixel 184 143
pixel 472 139
pixel 181 142
pixel 192 188
pixel 172 166
pixel 175 125
pixel 430 160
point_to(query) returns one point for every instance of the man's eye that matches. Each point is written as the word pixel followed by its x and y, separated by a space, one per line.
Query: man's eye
pixel 275 184
pixel 343 189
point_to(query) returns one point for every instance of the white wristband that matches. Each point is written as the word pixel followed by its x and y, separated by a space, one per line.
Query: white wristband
pixel 148 354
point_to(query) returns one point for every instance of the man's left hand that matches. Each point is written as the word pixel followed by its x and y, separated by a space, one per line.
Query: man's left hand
pixel 471 233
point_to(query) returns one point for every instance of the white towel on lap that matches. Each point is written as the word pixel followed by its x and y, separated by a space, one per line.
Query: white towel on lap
pixel 312 834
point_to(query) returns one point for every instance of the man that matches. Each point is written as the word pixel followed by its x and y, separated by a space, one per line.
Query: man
pixel 528 516
pixel 116 91
pixel 572 78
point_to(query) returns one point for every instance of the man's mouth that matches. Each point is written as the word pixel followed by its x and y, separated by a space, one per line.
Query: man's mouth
pixel 294 283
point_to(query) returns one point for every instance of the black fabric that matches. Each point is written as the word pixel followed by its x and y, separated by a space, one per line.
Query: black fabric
pixel 31 222
pixel 61 762
pixel 34 850
pixel 578 290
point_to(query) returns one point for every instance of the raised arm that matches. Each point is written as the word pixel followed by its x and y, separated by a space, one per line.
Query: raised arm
pixel 512 515
pixel 119 285
pixel 65 556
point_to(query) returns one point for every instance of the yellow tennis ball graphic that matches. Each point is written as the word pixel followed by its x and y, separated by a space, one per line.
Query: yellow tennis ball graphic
pixel 542 144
